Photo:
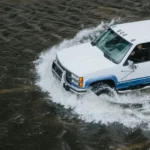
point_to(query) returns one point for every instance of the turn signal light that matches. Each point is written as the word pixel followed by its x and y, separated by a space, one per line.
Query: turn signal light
pixel 80 79
pixel 80 84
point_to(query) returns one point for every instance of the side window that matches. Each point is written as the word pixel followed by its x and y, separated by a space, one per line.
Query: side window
pixel 141 53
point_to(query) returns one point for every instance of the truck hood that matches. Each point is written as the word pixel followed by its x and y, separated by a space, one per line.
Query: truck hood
pixel 83 59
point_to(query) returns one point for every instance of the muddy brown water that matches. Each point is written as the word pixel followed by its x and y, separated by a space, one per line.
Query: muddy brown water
pixel 27 122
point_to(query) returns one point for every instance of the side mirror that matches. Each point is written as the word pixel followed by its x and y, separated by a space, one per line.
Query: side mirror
pixel 131 65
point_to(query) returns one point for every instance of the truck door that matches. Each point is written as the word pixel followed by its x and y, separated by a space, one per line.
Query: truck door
pixel 138 73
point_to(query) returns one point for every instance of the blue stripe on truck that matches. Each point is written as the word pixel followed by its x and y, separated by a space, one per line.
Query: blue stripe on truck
pixel 133 82
pixel 119 85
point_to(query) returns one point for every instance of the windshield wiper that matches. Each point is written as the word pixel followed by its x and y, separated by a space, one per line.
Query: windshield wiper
pixel 107 56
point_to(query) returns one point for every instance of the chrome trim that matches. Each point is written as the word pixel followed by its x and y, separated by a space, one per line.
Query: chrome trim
pixel 56 74
pixel 75 88
pixel 63 77
pixel 77 92
pixel 58 66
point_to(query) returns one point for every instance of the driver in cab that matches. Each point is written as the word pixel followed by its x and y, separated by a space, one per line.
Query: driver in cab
pixel 139 54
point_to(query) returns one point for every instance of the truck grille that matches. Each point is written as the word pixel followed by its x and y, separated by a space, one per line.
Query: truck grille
pixel 68 77
pixel 59 72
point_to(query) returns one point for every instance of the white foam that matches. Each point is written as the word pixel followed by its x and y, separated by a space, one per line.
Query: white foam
pixel 90 108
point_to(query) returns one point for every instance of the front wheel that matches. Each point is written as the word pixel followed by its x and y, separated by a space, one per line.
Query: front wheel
pixel 102 88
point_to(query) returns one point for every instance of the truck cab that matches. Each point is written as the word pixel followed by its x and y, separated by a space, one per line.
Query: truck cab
pixel 110 61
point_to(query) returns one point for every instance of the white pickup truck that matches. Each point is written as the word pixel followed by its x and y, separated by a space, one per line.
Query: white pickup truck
pixel 118 59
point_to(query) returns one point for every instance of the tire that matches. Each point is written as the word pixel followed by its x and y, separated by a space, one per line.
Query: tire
pixel 102 88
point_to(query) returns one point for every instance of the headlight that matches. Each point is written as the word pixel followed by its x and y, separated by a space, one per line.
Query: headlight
pixel 77 80
pixel 74 77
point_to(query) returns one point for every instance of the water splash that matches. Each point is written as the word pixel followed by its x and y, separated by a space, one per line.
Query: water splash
pixel 91 108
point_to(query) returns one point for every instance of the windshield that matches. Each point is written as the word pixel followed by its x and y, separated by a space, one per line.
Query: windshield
pixel 113 46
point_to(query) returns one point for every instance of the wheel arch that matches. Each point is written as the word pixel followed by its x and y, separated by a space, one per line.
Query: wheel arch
pixel 110 80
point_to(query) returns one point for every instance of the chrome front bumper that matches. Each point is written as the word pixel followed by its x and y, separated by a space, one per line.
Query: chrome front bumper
pixel 60 74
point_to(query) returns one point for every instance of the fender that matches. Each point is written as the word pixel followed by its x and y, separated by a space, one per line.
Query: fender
pixel 101 78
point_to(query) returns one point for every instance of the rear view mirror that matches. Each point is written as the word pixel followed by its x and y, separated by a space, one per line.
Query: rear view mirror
pixel 131 65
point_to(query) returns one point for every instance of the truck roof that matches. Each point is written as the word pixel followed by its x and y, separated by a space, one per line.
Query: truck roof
pixel 134 32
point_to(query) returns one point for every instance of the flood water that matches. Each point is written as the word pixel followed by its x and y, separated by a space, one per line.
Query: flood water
pixel 35 112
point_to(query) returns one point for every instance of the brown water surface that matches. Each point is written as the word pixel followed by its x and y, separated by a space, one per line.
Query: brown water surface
pixel 27 122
